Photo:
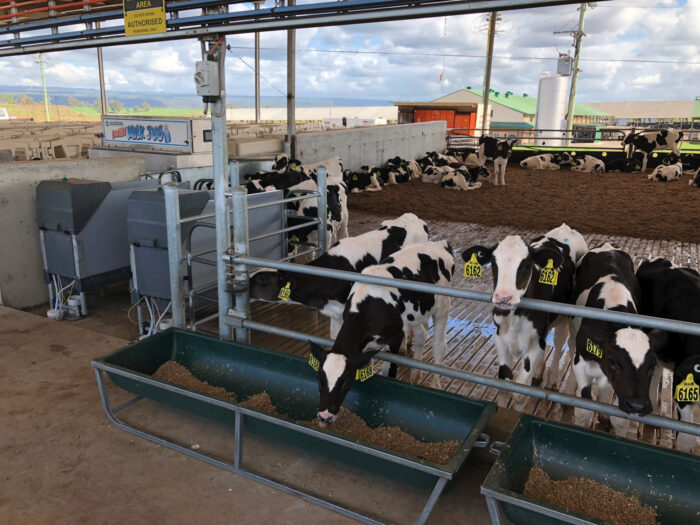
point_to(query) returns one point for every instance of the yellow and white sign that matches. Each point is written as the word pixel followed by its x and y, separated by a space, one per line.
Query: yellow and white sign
pixel 143 17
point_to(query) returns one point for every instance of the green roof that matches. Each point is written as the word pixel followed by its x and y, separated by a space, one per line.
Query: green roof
pixel 528 105
pixel 511 125
pixel 696 108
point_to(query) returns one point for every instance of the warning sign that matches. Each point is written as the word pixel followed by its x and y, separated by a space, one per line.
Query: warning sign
pixel 143 17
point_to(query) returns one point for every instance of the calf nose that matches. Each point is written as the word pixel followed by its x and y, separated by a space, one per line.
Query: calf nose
pixel 636 406
pixel 500 298
pixel 325 417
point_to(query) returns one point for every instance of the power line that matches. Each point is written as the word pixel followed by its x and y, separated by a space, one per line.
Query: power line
pixel 460 55
pixel 230 49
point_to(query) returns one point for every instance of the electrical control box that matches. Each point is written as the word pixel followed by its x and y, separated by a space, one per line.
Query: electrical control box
pixel 206 78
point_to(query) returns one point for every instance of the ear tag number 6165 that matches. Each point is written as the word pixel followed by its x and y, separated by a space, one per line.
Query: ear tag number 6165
pixel 687 391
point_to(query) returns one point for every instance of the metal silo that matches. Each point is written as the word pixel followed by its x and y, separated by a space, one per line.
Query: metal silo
pixel 551 110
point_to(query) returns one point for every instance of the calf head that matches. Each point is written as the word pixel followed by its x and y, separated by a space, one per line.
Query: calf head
pixel 629 139
pixel 505 147
pixel 671 158
pixel 512 262
pixel 563 159
pixel 629 360
pixel 267 284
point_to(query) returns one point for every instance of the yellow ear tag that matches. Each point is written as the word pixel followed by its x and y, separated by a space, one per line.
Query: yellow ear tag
pixel 354 177
pixel 294 239
pixel 593 348
pixel 313 362
pixel 363 374
pixel 687 391
pixel 549 275
pixel 294 167
pixel 285 292
pixel 472 269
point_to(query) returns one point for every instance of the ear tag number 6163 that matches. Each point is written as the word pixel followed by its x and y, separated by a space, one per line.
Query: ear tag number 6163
pixel 285 292
pixel 363 374
pixel 314 363
pixel 472 268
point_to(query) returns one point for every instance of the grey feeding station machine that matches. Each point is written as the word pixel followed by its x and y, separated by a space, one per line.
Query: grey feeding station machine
pixel 149 247
pixel 82 231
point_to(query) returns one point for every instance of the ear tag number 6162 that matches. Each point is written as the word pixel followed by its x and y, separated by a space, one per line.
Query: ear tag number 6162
pixel 472 268
pixel 548 275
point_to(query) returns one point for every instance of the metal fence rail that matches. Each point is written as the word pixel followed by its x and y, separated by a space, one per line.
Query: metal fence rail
pixel 243 324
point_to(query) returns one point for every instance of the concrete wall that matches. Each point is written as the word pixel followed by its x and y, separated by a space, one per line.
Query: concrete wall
pixel 21 278
pixel 375 145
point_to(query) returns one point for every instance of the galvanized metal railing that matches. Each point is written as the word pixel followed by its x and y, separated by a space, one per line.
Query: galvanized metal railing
pixel 244 323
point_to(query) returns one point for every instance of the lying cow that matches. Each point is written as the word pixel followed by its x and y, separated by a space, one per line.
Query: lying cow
pixel 612 354
pixel 464 178
pixel 631 165
pixel 589 164
pixel 647 141
pixel 522 270
pixel 378 318
pixel 547 161
pixel 499 152
pixel 361 181
pixel 673 292
pixel 435 174
pixel 352 254
pixel 663 173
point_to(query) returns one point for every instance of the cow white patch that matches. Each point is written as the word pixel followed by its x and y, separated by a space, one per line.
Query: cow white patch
pixel 635 342
pixel 607 247
pixel 508 255
pixel 333 367
pixel 614 293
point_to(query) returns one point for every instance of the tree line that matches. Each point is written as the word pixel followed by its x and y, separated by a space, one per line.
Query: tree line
pixel 115 106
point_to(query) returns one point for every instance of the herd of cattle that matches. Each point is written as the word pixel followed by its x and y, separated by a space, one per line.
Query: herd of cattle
pixel 558 266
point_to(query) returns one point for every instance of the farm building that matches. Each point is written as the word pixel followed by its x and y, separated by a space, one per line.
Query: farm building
pixel 213 321
pixel 673 113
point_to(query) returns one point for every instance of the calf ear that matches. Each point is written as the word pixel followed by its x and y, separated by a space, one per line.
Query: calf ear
pixel 483 254
pixel 658 340
pixel 318 352
pixel 542 256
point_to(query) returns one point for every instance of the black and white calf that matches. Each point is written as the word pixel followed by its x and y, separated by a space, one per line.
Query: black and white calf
pixel 663 173
pixel 631 165
pixel 522 270
pixel 610 354
pixel 464 178
pixel 379 318
pixel 672 292
pixel 647 141
pixel 589 164
pixel 547 161
pixel 352 254
pixel 361 181
pixel 499 152
pixel 435 174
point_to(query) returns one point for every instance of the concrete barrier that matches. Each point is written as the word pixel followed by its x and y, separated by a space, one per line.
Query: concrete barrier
pixel 21 277
pixel 372 145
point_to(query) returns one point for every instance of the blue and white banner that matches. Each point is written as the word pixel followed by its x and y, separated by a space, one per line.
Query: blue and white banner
pixel 128 131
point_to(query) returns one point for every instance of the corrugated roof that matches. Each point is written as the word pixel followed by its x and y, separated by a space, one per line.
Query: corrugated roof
pixel 511 125
pixel 652 109
pixel 528 105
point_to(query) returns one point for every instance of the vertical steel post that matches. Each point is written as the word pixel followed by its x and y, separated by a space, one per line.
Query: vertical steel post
pixel 257 72
pixel 174 234
pixel 103 95
pixel 291 87
pixel 220 166
pixel 322 183
pixel 79 270
pixel 42 241
pixel 487 73
pixel 574 77
pixel 234 173
pixel 239 202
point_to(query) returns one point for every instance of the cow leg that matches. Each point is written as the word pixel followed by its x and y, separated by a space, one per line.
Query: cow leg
pixel 644 162
pixel 606 395
pixel 390 368
pixel 686 442
pixel 420 334
pixel 561 333
pixel 533 354
pixel 336 323
pixel 505 358
pixel 584 386
pixel 440 319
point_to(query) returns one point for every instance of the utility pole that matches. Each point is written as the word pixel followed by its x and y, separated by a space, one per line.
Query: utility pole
pixel 41 60
pixel 487 73
pixel 291 86
pixel 578 38
pixel 100 67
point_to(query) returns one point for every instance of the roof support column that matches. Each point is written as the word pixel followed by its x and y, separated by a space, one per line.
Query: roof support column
pixel 291 87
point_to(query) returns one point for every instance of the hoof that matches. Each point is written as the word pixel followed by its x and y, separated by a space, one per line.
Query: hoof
pixel 504 372
pixel 536 381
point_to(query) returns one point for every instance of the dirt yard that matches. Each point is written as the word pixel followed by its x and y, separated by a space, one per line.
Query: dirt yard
pixel 617 203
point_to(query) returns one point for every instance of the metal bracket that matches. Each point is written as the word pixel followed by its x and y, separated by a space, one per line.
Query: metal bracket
pixel 235 318
pixel 496 447
pixel 482 441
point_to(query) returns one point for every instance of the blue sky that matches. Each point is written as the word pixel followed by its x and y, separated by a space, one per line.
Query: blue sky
pixel 403 60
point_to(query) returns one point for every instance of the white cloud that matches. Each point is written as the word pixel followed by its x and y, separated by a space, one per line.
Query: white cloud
pixel 647 80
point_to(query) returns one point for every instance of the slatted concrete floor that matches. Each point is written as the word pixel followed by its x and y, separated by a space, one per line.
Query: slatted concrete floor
pixel 470 332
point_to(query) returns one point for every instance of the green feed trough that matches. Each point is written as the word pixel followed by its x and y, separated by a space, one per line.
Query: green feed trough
pixel 666 480
pixel 427 414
